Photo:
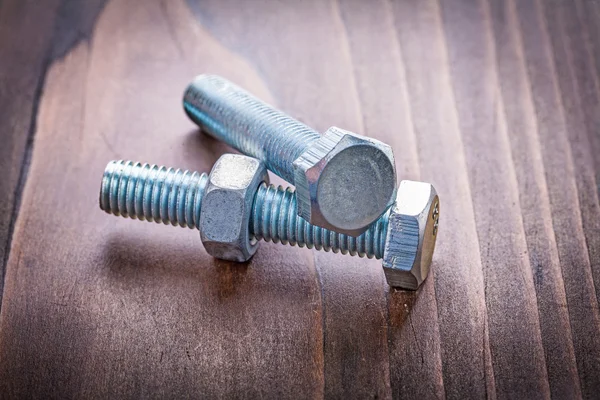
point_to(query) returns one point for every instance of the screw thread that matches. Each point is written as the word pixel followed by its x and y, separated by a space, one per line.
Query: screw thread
pixel 251 126
pixel 152 193
pixel 275 218
pixel 167 195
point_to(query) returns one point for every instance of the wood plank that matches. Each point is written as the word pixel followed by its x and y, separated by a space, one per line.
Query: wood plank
pixel 562 190
pixel 581 104
pixel 459 284
pixel 525 149
pixel 495 103
pixel 140 309
pixel 25 41
pixel 32 35
pixel 506 269
pixel 581 99
pixel 589 24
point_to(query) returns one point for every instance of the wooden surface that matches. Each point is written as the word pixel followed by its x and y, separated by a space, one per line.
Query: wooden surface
pixel 497 103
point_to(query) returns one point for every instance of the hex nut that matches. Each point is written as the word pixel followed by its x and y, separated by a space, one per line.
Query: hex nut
pixel 227 206
pixel 345 181
pixel 411 235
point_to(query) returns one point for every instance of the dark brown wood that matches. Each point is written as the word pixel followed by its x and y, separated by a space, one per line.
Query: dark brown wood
pixel 494 192
pixel 555 120
pixel 32 34
pixel 517 96
pixel 496 103
pixel 21 82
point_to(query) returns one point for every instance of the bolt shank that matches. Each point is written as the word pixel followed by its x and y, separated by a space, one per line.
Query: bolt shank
pixel 172 196
pixel 247 124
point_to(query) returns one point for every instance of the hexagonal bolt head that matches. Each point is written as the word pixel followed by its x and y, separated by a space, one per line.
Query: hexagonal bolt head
pixel 227 206
pixel 345 181
pixel 411 235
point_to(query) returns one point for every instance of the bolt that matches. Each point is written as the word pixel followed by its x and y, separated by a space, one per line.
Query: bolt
pixel 403 237
pixel 344 181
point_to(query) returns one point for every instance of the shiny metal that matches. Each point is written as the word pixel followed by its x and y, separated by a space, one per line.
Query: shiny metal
pixel 344 181
pixel 227 206
pixel 404 237
pixel 413 225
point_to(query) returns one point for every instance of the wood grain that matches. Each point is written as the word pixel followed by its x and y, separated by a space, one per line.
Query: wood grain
pixel 506 270
pixel 516 93
pixel 464 331
pixel 497 103
pixel 21 82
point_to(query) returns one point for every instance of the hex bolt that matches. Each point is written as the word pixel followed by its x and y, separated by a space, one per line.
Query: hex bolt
pixel 344 181
pixel 404 236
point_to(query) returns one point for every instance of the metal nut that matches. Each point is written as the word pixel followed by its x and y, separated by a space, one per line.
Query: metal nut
pixel 227 206
pixel 411 235
pixel 344 181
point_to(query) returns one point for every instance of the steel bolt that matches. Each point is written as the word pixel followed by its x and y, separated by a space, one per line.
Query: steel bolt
pixel 344 181
pixel 404 236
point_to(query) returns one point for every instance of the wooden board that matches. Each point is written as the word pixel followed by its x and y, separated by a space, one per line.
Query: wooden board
pixel 497 103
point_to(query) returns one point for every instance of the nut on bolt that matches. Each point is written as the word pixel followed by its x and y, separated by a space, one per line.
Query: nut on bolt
pixel 344 181
pixel 234 207
pixel 227 206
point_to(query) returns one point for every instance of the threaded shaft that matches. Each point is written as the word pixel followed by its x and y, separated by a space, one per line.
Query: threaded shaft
pixel 275 218
pixel 152 193
pixel 247 124
pixel 167 195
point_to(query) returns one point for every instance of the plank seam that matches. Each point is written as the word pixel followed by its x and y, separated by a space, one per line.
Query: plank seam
pixel 545 23
pixel 539 7
pixel 500 112
pixel 520 51
pixel 589 49
pixel 445 53
pixel 579 101
pixel 25 164
pixel 319 280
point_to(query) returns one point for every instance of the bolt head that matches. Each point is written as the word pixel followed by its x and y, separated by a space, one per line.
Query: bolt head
pixel 345 181
pixel 411 235
pixel 227 206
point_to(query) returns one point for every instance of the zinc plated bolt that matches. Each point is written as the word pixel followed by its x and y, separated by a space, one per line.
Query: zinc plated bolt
pixel 404 237
pixel 344 181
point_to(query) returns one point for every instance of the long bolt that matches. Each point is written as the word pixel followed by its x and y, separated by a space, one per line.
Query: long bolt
pixel 344 181
pixel 172 196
